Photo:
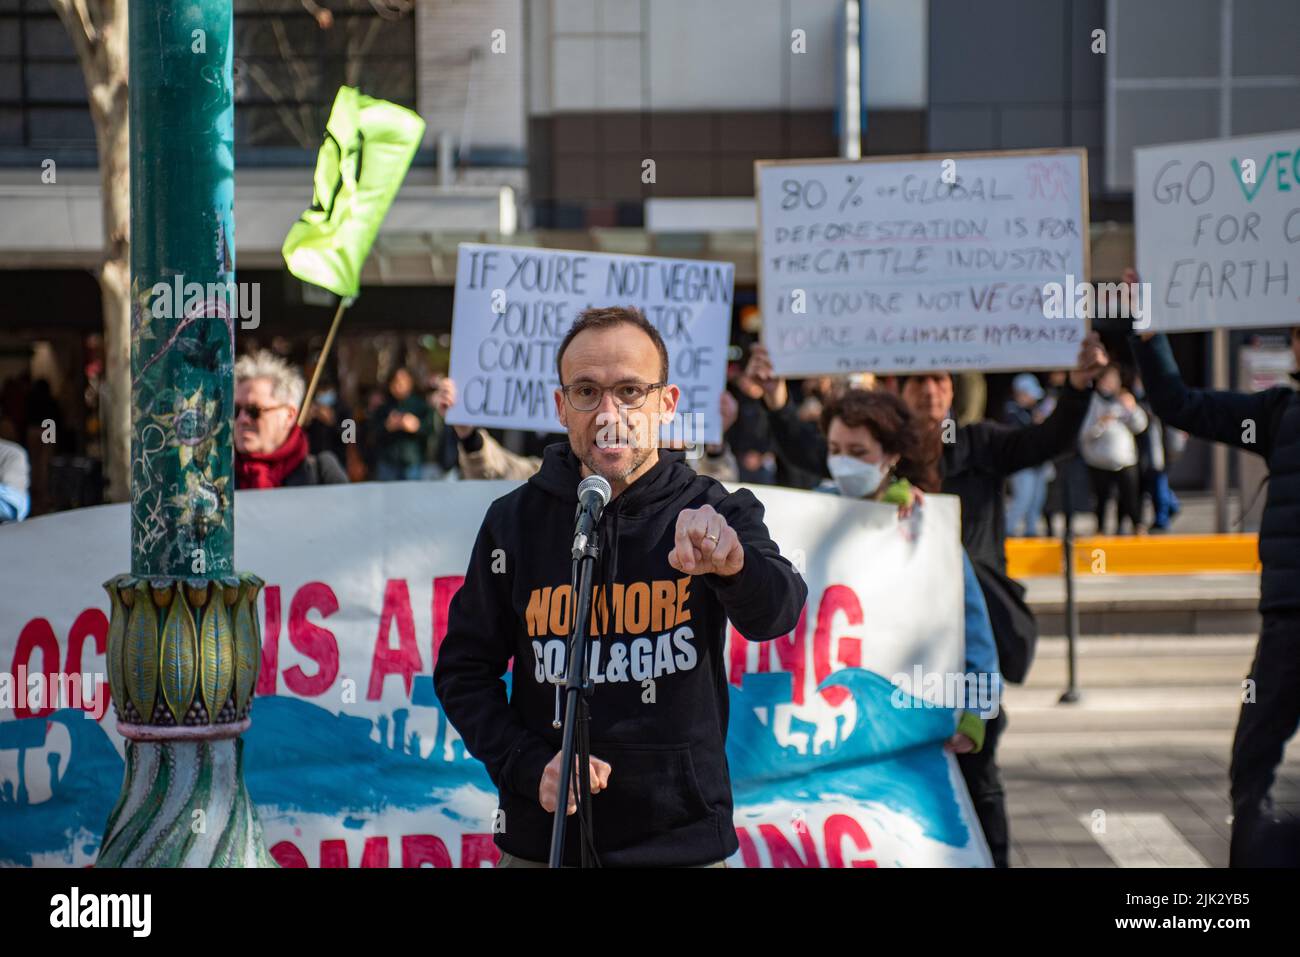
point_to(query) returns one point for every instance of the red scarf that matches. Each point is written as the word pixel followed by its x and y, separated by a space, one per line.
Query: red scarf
pixel 271 469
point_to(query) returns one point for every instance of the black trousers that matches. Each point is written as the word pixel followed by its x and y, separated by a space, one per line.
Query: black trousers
pixel 984 782
pixel 1260 837
pixel 1127 484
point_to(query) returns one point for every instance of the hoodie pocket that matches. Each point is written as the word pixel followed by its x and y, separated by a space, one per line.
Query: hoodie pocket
pixel 652 790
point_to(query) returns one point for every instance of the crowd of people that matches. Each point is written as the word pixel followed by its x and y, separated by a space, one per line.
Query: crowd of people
pixel 1090 436
pixel 397 431
pixel 866 438
pixel 1096 430
pixel 400 433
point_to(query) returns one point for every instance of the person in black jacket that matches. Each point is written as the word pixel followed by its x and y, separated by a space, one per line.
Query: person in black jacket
pixel 972 462
pixel 1268 424
pixel 679 556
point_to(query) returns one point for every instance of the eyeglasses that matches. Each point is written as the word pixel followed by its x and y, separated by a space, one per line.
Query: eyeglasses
pixel 587 396
pixel 254 412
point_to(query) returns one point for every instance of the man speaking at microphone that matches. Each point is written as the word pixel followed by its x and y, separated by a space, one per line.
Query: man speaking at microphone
pixel 679 556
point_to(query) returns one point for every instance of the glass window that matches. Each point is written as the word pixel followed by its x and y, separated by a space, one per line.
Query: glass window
pixel 1172 71
pixel 287 65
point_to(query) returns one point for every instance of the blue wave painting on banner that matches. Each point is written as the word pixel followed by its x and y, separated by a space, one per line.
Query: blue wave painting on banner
pixel 350 768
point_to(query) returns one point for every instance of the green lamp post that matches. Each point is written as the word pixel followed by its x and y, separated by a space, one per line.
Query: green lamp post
pixel 184 639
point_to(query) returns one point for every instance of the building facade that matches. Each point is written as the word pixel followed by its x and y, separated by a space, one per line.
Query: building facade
pixel 621 125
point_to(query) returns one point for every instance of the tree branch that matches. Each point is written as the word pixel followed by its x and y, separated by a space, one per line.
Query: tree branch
pixel 302 78
pixel 87 20
pixel 292 123
pixel 79 30
pixel 322 15
pixel 356 51
pixel 391 9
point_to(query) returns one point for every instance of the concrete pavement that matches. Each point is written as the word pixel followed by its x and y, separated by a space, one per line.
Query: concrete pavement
pixel 1136 773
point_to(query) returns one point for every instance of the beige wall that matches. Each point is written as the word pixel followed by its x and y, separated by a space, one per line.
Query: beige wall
pixel 481 100
pixel 729 55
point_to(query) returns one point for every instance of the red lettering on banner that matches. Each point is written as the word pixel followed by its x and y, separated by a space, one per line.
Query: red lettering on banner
pixel 836 598
pixel 736 659
pixel 738 656
pixel 421 849
pixel 417 850
pixel 403 660
pixel 791 655
pixel 91 623
pixel 373 854
pixel 333 853
pixel 443 590
pixel 748 852
pixel 286 854
pixel 791 650
pixel 783 853
pixel 838 827
pixel 269 672
pixel 36 634
pixel 315 642
pixel 477 848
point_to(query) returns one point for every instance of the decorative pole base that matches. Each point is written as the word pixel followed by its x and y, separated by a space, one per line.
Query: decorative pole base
pixel 184 804
pixel 183 656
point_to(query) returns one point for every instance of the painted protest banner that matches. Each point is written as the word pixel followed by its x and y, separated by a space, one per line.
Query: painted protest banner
pixel 1218 231
pixel 836 730
pixel 514 305
pixel 943 261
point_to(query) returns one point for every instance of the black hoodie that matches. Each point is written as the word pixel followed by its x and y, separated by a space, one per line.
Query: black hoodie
pixel 659 707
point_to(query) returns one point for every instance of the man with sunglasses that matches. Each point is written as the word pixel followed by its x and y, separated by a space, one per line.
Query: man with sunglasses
pixel 679 557
pixel 271 449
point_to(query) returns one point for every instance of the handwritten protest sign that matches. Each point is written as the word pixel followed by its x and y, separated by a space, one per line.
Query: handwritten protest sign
pixel 514 305
pixel 1218 231
pixel 897 264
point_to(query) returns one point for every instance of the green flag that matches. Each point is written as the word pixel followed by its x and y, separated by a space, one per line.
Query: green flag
pixel 368 148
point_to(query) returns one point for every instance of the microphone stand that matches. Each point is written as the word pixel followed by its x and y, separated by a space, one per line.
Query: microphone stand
pixel 576 747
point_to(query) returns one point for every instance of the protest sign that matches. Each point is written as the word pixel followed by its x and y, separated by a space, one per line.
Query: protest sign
pixel 514 305
pixel 944 261
pixel 1218 231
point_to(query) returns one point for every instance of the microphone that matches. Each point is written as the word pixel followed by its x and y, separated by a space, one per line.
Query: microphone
pixel 593 495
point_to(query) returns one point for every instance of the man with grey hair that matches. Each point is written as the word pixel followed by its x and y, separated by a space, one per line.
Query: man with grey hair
pixel 270 448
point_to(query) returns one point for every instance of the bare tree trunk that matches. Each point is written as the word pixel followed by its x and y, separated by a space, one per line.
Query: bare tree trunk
pixel 98 29
pixel 115 289
pixel 99 32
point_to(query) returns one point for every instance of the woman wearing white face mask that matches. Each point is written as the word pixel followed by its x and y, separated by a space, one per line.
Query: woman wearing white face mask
pixel 860 467
pixel 871 446
pixel 871 442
